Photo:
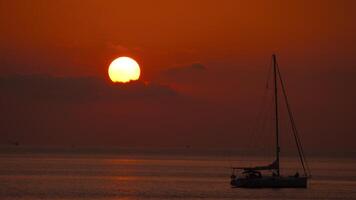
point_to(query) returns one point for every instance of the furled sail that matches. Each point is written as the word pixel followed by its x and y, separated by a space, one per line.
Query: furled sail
pixel 272 166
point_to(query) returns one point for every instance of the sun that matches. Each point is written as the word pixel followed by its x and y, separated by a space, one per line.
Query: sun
pixel 124 69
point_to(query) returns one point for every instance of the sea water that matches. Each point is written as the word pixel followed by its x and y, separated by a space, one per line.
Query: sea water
pixel 47 173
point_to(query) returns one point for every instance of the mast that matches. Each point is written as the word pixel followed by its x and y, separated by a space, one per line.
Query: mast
pixel 276 110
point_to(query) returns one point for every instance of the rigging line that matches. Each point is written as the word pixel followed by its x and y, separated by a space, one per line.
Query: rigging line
pixel 297 140
pixel 268 107
pixel 300 144
pixel 263 123
pixel 302 151
pixel 268 104
pixel 290 128
pixel 261 112
pixel 294 128
pixel 262 119
pixel 266 126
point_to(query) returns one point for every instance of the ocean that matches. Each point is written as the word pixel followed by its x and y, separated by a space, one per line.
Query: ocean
pixel 129 174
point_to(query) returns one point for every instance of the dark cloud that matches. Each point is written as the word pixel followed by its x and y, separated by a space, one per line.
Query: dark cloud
pixel 41 109
pixel 189 74
pixel 46 110
pixel 72 90
pixel 189 68
pixel 90 111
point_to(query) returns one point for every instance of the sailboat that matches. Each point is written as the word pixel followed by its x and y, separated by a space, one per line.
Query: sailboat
pixel 269 176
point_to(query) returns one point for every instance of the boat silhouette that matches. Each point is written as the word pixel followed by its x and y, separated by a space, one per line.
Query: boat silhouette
pixel 252 177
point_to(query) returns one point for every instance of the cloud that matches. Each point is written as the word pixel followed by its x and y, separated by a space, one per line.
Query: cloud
pixel 184 74
pixel 79 89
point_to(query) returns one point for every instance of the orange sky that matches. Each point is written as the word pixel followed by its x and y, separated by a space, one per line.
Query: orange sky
pixel 233 41
pixel 80 38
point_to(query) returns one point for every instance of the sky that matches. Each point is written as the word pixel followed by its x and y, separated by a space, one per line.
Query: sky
pixel 204 69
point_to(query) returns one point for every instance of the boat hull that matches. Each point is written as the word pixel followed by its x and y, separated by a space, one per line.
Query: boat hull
pixel 270 182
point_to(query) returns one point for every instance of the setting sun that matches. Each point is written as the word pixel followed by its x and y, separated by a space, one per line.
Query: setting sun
pixel 124 69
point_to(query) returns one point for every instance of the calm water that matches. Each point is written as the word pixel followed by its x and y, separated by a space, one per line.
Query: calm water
pixel 46 174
